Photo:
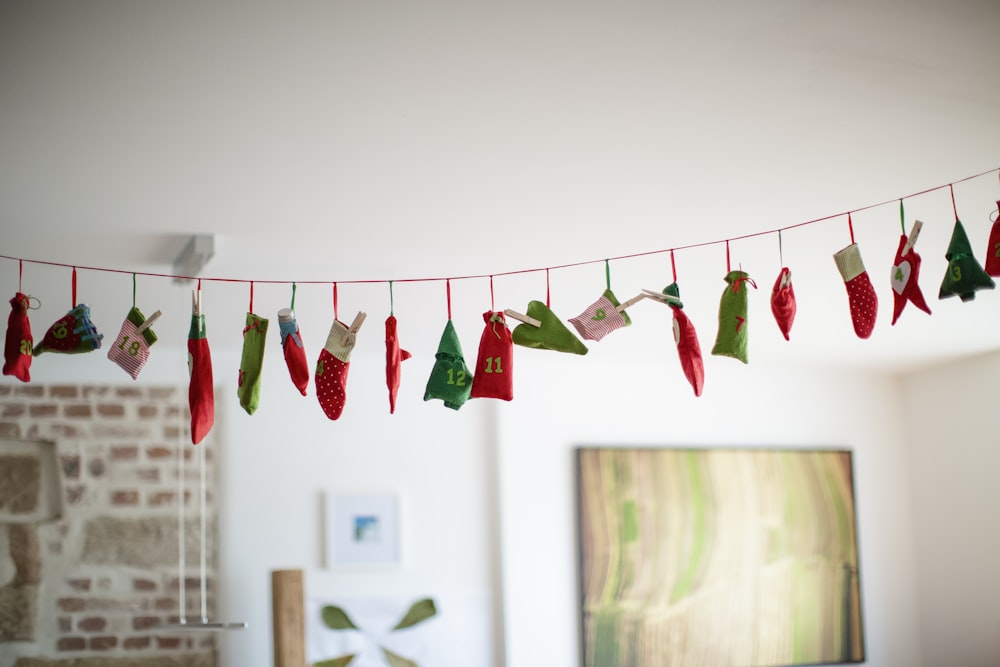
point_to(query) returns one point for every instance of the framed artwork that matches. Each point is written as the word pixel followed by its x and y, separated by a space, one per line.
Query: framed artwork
pixel 361 530
pixel 718 557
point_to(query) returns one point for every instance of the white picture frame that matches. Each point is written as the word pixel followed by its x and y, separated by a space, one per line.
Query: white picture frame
pixel 362 530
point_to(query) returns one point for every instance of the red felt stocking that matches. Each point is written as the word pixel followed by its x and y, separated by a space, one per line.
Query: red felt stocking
pixel 493 377
pixel 18 344
pixel 992 264
pixel 860 293
pixel 394 358
pixel 201 391
pixel 904 278
pixel 688 350
pixel 295 351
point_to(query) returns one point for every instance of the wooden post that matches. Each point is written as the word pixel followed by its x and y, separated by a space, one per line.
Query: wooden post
pixel 289 614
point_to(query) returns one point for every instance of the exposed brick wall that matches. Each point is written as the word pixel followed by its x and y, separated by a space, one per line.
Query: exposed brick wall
pixel 107 570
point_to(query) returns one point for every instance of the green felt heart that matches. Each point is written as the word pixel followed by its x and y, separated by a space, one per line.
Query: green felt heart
pixel 552 335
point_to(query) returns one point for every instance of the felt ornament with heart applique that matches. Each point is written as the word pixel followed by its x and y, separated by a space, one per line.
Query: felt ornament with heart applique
pixel 601 317
pixel 551 335
pixel 686 338
pixel 905 276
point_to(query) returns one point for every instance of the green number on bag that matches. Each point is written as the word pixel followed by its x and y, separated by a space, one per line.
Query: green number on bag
pixel 457 379
pixel 60 331
pixel 26 347
pixel 956 273
pixel 997 250
pixel 599 315
pixel 133 349
pixel 319 368
pixel 493 365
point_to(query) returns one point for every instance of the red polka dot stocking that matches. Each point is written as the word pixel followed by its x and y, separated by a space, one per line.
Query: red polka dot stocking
pixel 860 293
pixel 333 365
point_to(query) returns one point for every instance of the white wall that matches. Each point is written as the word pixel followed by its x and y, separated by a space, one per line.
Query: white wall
pixel 954 450
pixel 566 402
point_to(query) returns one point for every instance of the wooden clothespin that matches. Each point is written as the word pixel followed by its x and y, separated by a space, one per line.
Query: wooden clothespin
pixel 196 302
pixel 514 315
pixel 352 330
pixel 631 302
pixel 660 296
pixel 149 322
pixel 911 240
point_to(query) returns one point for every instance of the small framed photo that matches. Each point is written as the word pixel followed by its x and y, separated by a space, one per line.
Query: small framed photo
pixel 362 530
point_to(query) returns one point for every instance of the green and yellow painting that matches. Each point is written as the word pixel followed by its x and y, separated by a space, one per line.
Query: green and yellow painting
pixel 718 558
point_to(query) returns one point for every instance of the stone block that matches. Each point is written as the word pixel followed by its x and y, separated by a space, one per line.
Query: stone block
pixel 146 542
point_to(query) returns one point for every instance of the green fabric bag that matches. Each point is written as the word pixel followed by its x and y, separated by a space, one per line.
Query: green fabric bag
pixel 450 379
pixel 251 362
pixel 731 341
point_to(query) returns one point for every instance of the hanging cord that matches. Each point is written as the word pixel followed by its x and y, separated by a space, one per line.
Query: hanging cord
pixel 492 299
pixel 391 306
pixel 203 531
pixel 251 296
pixel 673 265
pixel 73 305
pixel 548 290
pixel 781 252
pixel 902 217
pixel 336 304
pixel 447 284
pixel 292 306
pixel 607 272
pixel 20 275
pixel 181 541
pixel 133 290
pixel 951 187
pixel 729 266
pixel 850 226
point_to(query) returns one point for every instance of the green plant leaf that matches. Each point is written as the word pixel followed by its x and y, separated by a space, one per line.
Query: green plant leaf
pixel 342 661
pixel 336 618
pixel 419 612
pixel 395 660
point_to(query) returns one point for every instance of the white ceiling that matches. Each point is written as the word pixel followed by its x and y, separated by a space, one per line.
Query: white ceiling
pixel 349 140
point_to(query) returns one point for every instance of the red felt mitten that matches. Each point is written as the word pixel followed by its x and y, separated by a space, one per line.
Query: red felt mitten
pixel 992 264
pixel 18 344
pixel 201 390
pixel 333 365
pixel 394 358
pixel 493 377
pixel 295 351
pixel 904 278
pixel 860 293
pixel 783 302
